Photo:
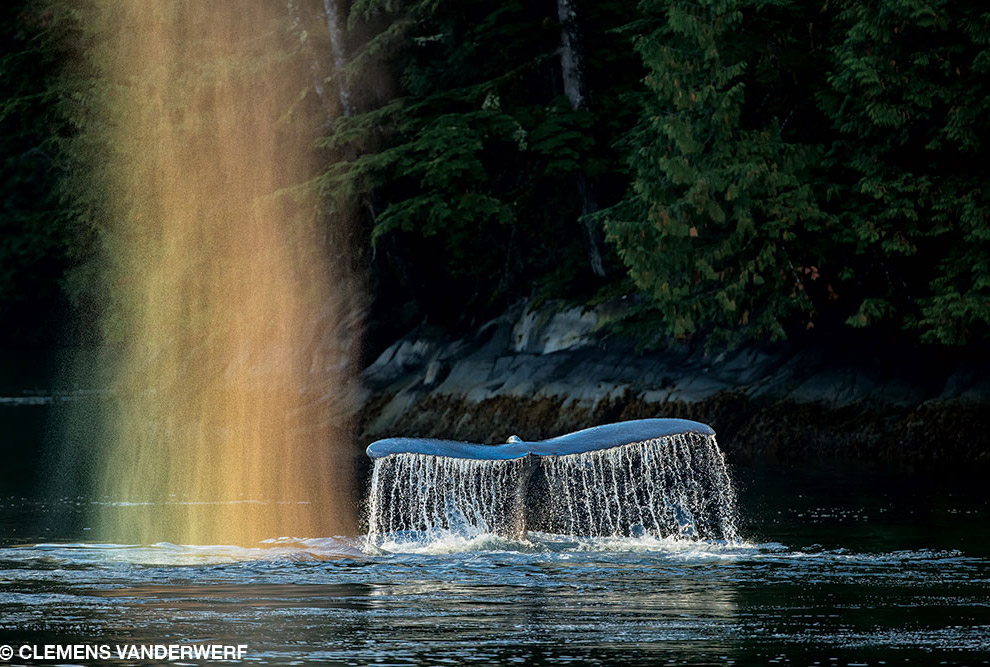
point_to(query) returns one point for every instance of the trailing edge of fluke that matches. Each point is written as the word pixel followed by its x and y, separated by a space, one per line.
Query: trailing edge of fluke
pixel 579 442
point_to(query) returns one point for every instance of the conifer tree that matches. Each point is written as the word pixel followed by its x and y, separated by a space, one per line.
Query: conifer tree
pixel 722 225
pixel 35 227
pixel 909 100
pixel 799 164
pixel 473 160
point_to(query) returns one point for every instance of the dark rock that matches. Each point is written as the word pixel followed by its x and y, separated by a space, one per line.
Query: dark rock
pixel 544 373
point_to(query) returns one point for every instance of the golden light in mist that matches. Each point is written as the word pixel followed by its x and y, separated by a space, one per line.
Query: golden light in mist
pixel 231 326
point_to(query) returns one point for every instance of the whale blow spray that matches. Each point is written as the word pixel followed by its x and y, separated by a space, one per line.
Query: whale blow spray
pixel 231 318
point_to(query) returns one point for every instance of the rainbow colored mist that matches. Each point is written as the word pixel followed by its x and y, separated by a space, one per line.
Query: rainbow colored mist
pixel 230 333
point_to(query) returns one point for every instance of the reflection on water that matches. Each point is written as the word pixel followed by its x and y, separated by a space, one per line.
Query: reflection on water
pixel 863 599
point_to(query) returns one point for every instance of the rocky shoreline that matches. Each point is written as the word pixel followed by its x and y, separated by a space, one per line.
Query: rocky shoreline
pixel 541 373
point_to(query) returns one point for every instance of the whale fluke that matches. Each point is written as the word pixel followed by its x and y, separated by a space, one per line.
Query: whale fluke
pixel 664 477
pixel 586 440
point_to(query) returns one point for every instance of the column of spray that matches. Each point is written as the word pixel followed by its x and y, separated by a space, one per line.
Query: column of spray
pixel 229 333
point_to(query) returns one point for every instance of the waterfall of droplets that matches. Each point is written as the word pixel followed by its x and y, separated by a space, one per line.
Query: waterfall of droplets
pixel 675 486
pixel 415 494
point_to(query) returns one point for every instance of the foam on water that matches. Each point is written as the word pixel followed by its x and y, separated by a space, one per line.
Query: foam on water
pixel 555 545
pixel 168 554
pixel 448 542
pixel 537 546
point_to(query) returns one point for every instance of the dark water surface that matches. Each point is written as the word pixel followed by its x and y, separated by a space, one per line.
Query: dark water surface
pixel 841 565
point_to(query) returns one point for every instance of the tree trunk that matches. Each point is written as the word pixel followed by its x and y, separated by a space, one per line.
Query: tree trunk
pixel 335 27
pixel 300 31
pixel 576 90
pixel 335 11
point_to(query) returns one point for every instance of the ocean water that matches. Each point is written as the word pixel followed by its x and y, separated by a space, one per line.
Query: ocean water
pixel 837 565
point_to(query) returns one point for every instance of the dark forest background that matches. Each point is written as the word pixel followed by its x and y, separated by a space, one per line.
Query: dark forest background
pixel 733 169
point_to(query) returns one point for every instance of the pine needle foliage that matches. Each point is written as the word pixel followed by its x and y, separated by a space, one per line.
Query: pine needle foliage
pixel 909 100
pixel 470 164
pixel 799 164
pixel 784 168
pixel 36 229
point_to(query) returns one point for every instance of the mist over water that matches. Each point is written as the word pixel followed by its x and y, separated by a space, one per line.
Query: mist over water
pixel 229 319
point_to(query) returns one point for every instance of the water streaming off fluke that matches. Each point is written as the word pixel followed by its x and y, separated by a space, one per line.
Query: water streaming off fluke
pixel 417 494
pixel 673 485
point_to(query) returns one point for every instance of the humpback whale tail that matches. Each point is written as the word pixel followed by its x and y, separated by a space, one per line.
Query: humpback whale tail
pixel 579 442
pixel 665 477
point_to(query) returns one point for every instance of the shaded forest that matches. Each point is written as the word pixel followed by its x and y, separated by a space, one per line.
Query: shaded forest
pixel 734 169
